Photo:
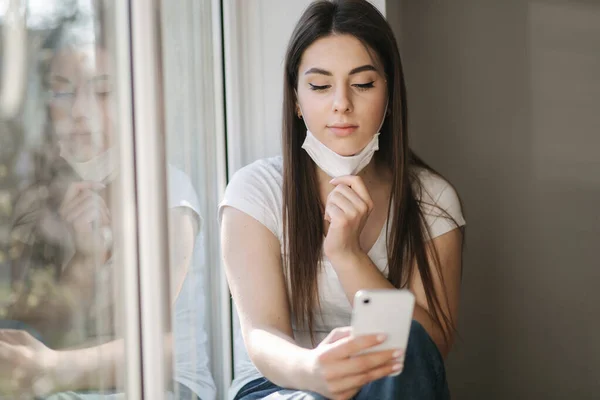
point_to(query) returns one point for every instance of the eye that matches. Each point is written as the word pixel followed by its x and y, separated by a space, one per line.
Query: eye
pixel 103 93
pixel 62 94
pixel 319 88
pixel 364 86
pixel 102 88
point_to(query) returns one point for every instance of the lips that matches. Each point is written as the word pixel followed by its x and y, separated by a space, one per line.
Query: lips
pixel 81 134
pixel 342 130
pixel 343 126
pixel 81 137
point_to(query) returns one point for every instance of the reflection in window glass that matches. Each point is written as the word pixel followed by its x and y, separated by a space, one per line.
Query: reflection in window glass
pixel 60 289
pixel 61 301
pixel 189 89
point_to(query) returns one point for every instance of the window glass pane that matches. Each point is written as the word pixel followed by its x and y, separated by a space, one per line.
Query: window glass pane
pixel 61 298
pixel 193 192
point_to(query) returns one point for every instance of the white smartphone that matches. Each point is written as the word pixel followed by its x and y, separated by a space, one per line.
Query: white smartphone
pixel 387 311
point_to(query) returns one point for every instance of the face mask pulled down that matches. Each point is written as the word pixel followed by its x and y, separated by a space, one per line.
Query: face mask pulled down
pixel 101 168
pixel 336 165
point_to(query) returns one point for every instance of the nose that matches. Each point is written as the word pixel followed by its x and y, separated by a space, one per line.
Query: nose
pixel 342 103
pixel 84 104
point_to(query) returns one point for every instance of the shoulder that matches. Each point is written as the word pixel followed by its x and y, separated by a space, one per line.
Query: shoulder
pixel 181 192
pixel 181 195
pixel 256 189
pixel 262 176
pixel 432 187
pixel 439 201
pixel 267 171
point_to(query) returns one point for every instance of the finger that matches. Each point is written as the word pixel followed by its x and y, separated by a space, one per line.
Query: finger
pixel 87 221
pixel 101 204
pixel 358 381
pixel 400 362
pixel 105 216
pixel 357 184
pixel 353 197
pixel 85 207
pixel 349 346
pixel 337 334
pixel 70 195
pixel 5 336
pixel 7 352
pixel 334 212
pixel 77 187
pixel 348 394
pixel 361 364
pixel 81 196
pixel 86 213
pixel 343 203
pixel 15 336
pixel 104 210
pixel 95 186
pixel 76 201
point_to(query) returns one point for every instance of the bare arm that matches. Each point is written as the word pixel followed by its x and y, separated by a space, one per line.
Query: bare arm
pixel 254 271
pixel 358 272
pixel 48 284
pixel 86 365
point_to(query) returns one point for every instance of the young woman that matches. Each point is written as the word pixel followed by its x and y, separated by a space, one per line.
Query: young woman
pixel 349 206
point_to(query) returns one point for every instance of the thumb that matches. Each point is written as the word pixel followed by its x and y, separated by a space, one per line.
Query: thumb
pixel 337 334
pixel 92 185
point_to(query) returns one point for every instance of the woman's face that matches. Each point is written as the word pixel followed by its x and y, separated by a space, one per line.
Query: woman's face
pixel 80 104
pixel 341 93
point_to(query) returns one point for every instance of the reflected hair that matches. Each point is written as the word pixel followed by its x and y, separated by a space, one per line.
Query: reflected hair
pixel 303 210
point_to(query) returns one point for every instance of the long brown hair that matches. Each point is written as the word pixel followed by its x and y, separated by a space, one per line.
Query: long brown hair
pixel 302 208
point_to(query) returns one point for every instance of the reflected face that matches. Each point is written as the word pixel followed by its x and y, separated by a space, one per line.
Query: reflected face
pixel 342 93
pixel 81 88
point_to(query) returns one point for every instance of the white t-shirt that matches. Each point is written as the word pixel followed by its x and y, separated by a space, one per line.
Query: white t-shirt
pixel 257 190
pixel 189 316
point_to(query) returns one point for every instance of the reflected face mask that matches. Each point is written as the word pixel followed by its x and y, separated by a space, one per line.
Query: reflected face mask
pixel 101 168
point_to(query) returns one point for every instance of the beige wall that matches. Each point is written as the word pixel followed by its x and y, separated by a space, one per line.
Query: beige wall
pixel 504 99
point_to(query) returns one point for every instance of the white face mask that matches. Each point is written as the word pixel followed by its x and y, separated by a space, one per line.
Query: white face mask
pixel 101 168
pixel 334 164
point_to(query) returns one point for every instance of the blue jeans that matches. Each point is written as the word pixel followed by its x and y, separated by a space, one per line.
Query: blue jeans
pixel 183 393
pixel 423 378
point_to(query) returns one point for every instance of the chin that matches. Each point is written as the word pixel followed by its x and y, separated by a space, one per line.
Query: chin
pixel 81 155
pixel 347 148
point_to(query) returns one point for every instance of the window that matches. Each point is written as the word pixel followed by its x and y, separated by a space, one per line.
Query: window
pixel 109 255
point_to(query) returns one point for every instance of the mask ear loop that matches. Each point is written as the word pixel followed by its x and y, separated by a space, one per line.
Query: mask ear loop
pixel 385 115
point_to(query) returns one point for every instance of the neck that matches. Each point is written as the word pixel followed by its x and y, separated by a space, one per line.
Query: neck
pixel 372 175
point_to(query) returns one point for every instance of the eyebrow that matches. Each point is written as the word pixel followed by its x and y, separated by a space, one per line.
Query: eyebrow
pixel 356 70
pixel 59 78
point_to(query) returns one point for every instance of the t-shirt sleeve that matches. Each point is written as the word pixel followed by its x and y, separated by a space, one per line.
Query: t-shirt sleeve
pixel 181 193
pixel 256 190
pixel 440 204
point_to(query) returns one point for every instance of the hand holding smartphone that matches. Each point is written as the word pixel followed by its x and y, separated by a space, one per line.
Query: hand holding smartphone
pixel 383 311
